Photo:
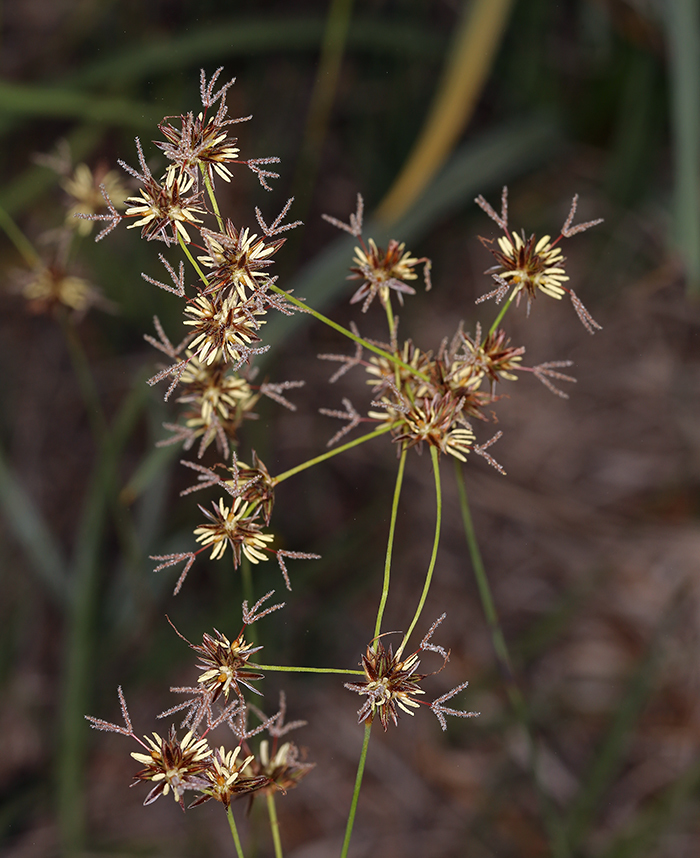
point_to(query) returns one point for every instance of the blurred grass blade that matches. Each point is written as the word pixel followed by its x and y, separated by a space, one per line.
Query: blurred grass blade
pixel 33 534
pixel 683 36
pixel 234 37
pixel 152 464
pixel 80 645
pixel 471 57
pixel 32 100
pixel 322 96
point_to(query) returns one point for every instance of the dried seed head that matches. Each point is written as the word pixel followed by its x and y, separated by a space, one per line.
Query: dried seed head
pixel 173 764
pixel 234 526
pixel 391 684
pixel 225 664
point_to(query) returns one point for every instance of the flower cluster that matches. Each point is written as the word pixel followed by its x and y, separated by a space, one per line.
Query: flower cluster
pixel 431 398
pixel 392 682
pixel 177 765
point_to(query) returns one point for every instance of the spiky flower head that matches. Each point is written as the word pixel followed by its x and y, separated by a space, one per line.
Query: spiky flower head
pixel 88 190
pixel 238 259
pixel 391 684
pixel 200 143
pixel 282 767
pixel 437 421
pixel 381 271
pixel 173 764
pixel 163 204
pixel 224 664
pixel 227 778
pixel 50 286
pixel 532 265
pixel 224 328
pixel 234 526
pixel 214 391
pixel 494 358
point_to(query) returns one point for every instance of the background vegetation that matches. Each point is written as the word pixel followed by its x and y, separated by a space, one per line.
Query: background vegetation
pixel 591 541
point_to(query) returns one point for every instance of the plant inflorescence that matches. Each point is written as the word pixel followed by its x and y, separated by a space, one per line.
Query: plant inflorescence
pixel 437 398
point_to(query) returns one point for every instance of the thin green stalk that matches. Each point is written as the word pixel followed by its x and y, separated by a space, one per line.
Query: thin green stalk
pixel 185 249
pixel 356 792
pixel 24 247
pixel 557 835
pixel 289 669
pixel 435 456
pixel 274 824
pixel 390 542
pixel 234 833
pixel 346 333
pixel 487 603
pixel 80 642
pixel 332 49
pixel 86 381
pixel 683 36
pixel 322 458
pixel 504 310
pixel 212 198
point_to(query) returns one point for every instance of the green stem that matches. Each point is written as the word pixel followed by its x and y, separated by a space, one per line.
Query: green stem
pixel 212 198
pixel 435 456
pixel 289 669
pixel 24 247
pixel 234 833
pixel 356 792
pixel 322 458
pixel 346 333
pixel 86 381
pixel 185 249
pixel 390 542
pixel 487 603
pixel 274 824
pixel 555 830
pixel 504 310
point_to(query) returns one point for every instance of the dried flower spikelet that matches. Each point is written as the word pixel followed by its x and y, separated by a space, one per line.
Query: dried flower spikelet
pixel 437 421
pixel 199 144
pixel 391 684
pixel 238 259
pixel 165 204
pixel 223 327
pixel 214 392
pixel 234 526
pixel 530 264
pixel 224 664
pixel 381 271
pixel 173 764
pixel 86 189
pixel 49 286
pixel 283 768
pixel 386 374
pixel 257 486
pixel 227 778
pixel 494 359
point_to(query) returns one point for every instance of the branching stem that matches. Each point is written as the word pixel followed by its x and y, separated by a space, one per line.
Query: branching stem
pixel 390 542
pixel 346 333
pixel 356 792
pixel 322 458
pixel 435 456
